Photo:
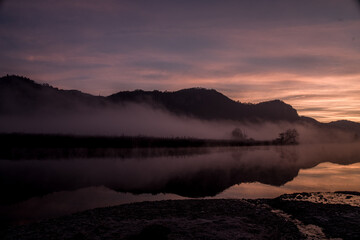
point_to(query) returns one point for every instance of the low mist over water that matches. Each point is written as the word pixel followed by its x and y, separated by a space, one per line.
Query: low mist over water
pixel 144 120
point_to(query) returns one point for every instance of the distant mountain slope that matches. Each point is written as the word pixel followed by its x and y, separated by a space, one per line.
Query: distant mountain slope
pixel 210 105
pixel 22 96
pixel 19 95
pixel 346 125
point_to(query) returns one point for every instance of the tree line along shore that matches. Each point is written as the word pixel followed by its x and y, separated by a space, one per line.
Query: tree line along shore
pixel 19 145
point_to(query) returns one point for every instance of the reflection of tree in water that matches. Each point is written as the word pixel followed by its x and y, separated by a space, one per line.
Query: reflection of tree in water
pixel 288 153
pixel 238 154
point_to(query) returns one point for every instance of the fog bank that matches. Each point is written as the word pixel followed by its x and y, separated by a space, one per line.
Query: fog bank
pixel 143 120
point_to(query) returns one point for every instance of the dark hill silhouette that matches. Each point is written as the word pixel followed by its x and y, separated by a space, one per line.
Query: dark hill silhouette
pixel 210 105
pixel 22 96
pixel 347 126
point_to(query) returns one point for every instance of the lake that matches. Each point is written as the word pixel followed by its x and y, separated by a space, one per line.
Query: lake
pixel 35 189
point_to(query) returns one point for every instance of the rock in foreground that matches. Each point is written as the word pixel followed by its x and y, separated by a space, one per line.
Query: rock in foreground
pixel 291 216
pixel 187 219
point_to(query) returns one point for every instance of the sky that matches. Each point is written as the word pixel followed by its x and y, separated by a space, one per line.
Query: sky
pixel 306 53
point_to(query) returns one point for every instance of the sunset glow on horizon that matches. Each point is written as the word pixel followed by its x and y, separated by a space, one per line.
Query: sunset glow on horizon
pixel 306 53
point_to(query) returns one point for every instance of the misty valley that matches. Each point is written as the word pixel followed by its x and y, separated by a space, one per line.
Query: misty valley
pixel 69 160
pixel 179 120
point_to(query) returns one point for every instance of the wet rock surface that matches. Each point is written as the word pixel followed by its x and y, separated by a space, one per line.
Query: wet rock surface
pixel 279 218
pixel 323 210
pixel 184 219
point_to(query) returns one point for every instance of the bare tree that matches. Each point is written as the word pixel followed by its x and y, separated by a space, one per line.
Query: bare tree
pixel 238 134
pixel 290 136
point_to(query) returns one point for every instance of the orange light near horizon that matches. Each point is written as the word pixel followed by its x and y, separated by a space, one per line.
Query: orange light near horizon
pixel 327 98
pixel 325 177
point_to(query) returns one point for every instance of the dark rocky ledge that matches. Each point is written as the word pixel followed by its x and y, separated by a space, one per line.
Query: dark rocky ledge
pixel 286 217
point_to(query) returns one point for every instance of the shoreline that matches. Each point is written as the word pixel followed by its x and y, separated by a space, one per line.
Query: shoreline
pixel 39 146
pixel 290 216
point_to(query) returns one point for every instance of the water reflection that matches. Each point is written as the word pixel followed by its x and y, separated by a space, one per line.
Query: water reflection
pixel 325 177
pixel 67 202
pixel 252 171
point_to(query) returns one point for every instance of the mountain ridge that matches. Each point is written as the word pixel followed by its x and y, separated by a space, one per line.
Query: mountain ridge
pixel 21 95
pixel 24 94
pixel 210 105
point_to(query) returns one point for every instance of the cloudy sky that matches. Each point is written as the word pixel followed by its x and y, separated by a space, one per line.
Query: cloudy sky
pixel 306 53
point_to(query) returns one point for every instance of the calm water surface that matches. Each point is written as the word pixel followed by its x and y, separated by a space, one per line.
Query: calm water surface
pixel 38 189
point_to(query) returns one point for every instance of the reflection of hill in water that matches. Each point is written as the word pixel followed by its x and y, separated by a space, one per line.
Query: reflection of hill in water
pixel 199 175
pixel 211 182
